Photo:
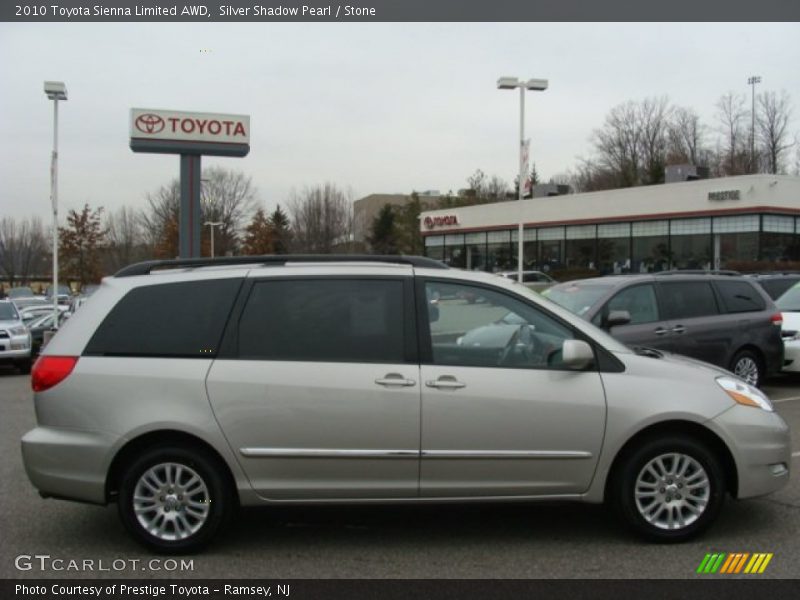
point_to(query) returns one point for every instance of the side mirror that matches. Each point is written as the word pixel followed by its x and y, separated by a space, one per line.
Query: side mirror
pixel 433 312
pixel 617 317
pixel 576 354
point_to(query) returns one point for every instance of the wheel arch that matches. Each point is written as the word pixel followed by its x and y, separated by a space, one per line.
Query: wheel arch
pixel 689 429
pixel 163 437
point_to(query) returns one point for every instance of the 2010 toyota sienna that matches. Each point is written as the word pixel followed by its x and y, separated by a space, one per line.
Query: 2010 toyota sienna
pixel 186 388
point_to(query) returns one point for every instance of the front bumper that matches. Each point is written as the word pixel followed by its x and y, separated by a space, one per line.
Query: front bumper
pixel 66 463
pixel 761 446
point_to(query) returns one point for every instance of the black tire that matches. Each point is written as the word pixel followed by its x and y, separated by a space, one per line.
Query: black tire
pixel 24 366
pixel 217 496
pixel 747 362
pixel 623 487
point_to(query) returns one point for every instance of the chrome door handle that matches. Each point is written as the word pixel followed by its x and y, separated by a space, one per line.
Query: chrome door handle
pixel 446 383
pixel 678 329
pixel 660 331
pixel 395 379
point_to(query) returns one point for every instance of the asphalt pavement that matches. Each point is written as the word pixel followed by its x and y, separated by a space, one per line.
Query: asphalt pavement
pixel 445 541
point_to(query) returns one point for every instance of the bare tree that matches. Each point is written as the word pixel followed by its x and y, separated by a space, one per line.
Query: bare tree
pixel 322 218
pixel 618 145
pixel 23 249
pixel 654 116
pixel 125 239
pixel 734 154
pixel 772 120
pixel 228 197
pixel 159 220
pixel 686 136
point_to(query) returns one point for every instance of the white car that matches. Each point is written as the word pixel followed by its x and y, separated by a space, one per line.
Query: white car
pixel 789 305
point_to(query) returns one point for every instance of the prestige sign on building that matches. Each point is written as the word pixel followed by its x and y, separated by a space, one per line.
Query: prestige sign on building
pixel 170 131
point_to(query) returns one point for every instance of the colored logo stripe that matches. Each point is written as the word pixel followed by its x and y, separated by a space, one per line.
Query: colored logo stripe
pixel 734 563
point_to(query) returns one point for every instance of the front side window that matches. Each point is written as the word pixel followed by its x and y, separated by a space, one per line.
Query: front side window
pixel 478 327
pixel 333 320
pixel 639 301
pixel 688 299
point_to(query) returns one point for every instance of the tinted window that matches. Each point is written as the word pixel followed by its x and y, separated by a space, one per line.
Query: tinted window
pixel 8 312
pixel 778 286
pixel 687 299
pixel 335 320
pixel 639 301
pixel 476 327
pixel 740 296
pixel 175 319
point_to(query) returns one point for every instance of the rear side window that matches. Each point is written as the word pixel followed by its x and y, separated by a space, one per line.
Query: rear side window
pixel 174 320
pixel 687 299
pixel 740 296
pixel 335 320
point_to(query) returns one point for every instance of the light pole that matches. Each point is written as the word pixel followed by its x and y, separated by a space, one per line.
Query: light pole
pixel 752 81
pixel 55 90
pixel 212 224
pixel 538 85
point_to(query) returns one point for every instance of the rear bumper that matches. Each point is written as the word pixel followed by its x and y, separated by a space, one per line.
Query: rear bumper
pixel 791 356
pixel 761 446
pixel 67 463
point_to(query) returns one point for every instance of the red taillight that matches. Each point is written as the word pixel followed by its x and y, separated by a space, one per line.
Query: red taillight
pixel 51 370
pixel 777 319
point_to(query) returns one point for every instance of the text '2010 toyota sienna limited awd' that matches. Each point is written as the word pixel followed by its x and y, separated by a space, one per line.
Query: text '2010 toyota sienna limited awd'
pixel 186 388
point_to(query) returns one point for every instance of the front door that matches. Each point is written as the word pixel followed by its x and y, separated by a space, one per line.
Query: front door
pixel 501 416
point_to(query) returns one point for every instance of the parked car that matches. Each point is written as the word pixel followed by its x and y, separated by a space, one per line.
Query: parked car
pixel 25 302
pixel 724 320
pixel 534 280
pixel 15 341
pixel 64 294
pixel 344 379
pixel 789 305
pixel 31 313
pixel 38 326
pixel 776 284
pixel 20 292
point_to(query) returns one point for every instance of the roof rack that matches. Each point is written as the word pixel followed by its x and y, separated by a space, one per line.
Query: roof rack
pixel 146 267
pixel 698 272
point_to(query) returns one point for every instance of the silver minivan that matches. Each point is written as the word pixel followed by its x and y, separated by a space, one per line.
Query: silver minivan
pixel 188 387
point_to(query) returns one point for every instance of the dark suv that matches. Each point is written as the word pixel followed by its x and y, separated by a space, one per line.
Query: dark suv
pixel 725 320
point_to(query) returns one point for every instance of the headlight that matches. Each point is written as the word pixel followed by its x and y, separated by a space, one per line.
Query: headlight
pixel 744 393
pixel 18 331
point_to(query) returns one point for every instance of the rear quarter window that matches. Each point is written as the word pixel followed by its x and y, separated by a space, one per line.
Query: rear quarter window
pixel 740 296
pixel 184 319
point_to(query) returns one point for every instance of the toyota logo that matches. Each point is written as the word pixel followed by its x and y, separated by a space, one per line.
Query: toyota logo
pixel 149 123
pixel 429 222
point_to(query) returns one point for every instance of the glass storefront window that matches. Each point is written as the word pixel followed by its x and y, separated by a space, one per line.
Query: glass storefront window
pixel 454 253
pixel 737 248
pixel 614 248
pixel 529 258
pixel 499 251
pixel 475 248
pixel 650 246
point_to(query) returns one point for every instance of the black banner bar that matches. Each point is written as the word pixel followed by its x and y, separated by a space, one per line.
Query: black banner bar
pixel 312 11
pixel 744 588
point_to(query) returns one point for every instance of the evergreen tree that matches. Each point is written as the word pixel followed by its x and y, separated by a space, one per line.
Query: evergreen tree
pixel 280 230
pixel 383 233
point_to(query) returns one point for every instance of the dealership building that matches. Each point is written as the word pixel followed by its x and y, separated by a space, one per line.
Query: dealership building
pixel 734 222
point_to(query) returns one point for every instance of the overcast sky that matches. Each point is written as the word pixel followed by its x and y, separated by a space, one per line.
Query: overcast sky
pixel 378 108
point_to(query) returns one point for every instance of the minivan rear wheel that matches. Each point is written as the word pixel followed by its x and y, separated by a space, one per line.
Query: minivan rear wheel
pixel 669 489
pixel 174 499
pixel 747 365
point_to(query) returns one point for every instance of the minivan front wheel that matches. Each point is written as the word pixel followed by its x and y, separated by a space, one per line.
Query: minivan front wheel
pixel 669 489
pixel 173 499
pixel 747 365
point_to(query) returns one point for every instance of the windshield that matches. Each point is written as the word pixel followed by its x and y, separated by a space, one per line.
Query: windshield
pixel 577 297
pixel 790 301
pixel 8 312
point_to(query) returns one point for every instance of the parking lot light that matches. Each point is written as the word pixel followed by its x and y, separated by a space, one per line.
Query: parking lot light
pixel 55 91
